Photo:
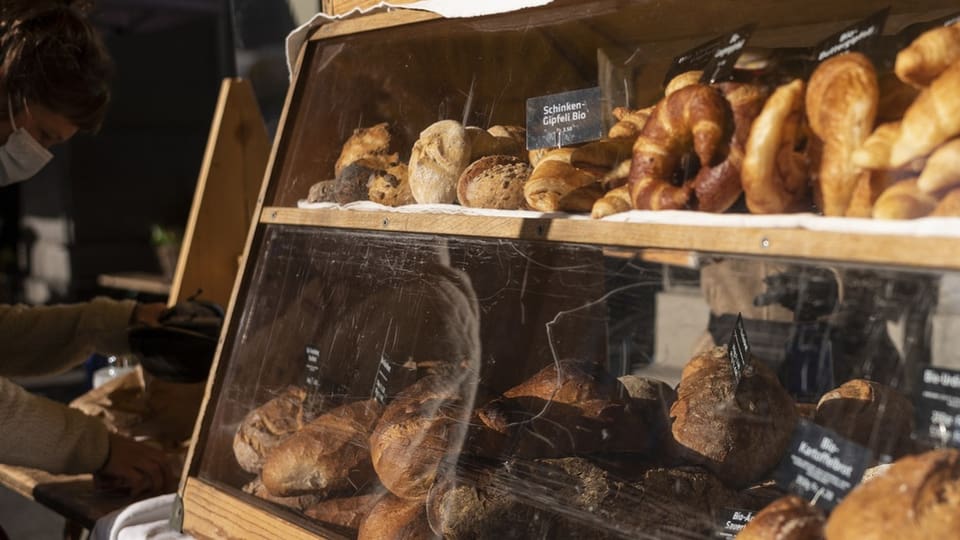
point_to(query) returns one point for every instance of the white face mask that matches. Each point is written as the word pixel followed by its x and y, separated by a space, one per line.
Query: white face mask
pixel 22 156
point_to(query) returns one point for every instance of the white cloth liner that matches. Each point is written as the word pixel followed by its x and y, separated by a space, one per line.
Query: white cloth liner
pixel 923 227
pixel 146 519
pixel 444 8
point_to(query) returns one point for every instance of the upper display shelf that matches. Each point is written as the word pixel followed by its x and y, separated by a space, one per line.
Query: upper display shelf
pixel 825 130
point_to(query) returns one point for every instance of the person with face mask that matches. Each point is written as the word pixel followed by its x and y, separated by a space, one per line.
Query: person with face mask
pixel 54 82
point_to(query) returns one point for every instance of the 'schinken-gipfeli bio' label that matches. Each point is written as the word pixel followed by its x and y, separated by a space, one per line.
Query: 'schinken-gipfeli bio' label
pixel 310 374
pixel 738 350
pixel 724 59
pixel 937 407
pixel 821 466
pixel 732 521
pixel 856 37
pixel 563 119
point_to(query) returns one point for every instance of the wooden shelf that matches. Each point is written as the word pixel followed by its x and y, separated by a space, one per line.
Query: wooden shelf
pixel 134 281
pixel 921 252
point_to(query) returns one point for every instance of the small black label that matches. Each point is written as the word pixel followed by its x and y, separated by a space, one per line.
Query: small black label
pixel 311 379
pixel 937 407
pixel 738 349
pixel 732 521
pixel 821 466
pixel 563 119
pixel 696 58
pixel 720 66
pixel 383 377
pixel 856 37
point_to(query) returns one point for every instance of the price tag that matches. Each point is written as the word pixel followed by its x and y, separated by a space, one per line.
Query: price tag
pixel 311 374
pixel 738 349
pixel 937 407
pixel 732 521
pixel 696 58
pixel 720 66
pixel 563 119
pixel 821 466
pixel 856 37
pixel 383 377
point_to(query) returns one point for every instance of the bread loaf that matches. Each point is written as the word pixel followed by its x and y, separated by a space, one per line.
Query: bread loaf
pixel 297 502
pixel 393 518
pixel 346 512
pixel 787 518
pixel 871 414
pixel 436 161
pixel 916 498
pixel 737 431
pixel 494 182
pixel 391 187
pixel 323 191
pixel 329 453
pixel 371 142
pixel 268 425
pixel 498 140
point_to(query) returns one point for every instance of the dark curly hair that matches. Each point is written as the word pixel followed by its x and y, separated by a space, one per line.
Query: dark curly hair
pixel 53 56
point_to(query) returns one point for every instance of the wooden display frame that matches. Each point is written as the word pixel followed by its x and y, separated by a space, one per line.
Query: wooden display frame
pixel 209 512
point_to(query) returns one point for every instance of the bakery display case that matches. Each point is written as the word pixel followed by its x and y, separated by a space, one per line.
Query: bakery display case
pixel 437 334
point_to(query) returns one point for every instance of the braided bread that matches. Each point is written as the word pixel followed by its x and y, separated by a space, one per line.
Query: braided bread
pixel 929 55
pixel 841 101
pixel 775 177
pixel 694 116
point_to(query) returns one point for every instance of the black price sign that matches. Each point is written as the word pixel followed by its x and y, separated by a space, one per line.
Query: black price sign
pixel 311 378
pixel 937 407
pixel 821 466
pixel 856 37
pixel 696 58
pixel 720 66
pixel 738 349
pixel 383 377
pixel 732 521
pixel 563 119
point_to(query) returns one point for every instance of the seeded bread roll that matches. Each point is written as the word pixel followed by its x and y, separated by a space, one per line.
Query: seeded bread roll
pixel 787 518
pixel 869 413
pixel 916 498
pixel 329 453
pixel 737 431
pixel 494 182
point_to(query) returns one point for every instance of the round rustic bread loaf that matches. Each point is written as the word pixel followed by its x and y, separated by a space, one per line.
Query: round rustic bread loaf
pixel 494 182
pixel 787 518
pixel 267 426
pixel 393 518
pixel 918 497
pixel 870 414
pixel 438 158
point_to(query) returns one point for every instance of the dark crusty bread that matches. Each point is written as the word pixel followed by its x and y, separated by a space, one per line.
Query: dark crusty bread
pixel 918 497
pixel 299 502
pixel 266 426
pixel 737 431
pixel 346 511
pixel 329 453
pixel 494 182
pixel 393 518
pixel 787 518
pixel 870 414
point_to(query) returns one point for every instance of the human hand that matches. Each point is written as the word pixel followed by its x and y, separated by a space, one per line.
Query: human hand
pixel 135 469
pixel 148 314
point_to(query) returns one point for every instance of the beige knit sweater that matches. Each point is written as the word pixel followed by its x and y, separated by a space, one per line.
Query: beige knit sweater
pixel 35 431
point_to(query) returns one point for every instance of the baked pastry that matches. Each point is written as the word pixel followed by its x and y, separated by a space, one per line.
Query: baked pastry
pixel 841 102
pixel 683 80
pixel 323 191
pixel 916 498
pixel 600 157
pixel 436 161
pixel 393 518
pixel 870 186
pixel 874 153
pixel 297 502
pixel 328 454
pixel 932 119
pixel 553 186
pixel 613 202
pixel 692 117
pixel 267 426
pixel 904 200
pixel 498 140
pixel 546 154
pixel 775 175
pixel 494 182
pixel 346 511
pixel 942 171
pixel 371 142
pixel 949 205
pixel 418 428
pixel 896 97
pixel 353 182
pixel 870 414
pixel 390 187
pixel 737 431
pixel 629 122
pixel 787 518
pixel 929 55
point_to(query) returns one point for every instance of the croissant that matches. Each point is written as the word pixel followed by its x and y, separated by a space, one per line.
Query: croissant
pixel 553 186
pixel 949 205
pixel 942 171
pixel 613 202
pixel 874 153
pixel 904 200
pixel 682 80
pixel 929 55
pixel 694 116
pixel 774 176
pixel 629 122
pixel 841 103
pixel 896 97
pixel 870 185
pixel 932 119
